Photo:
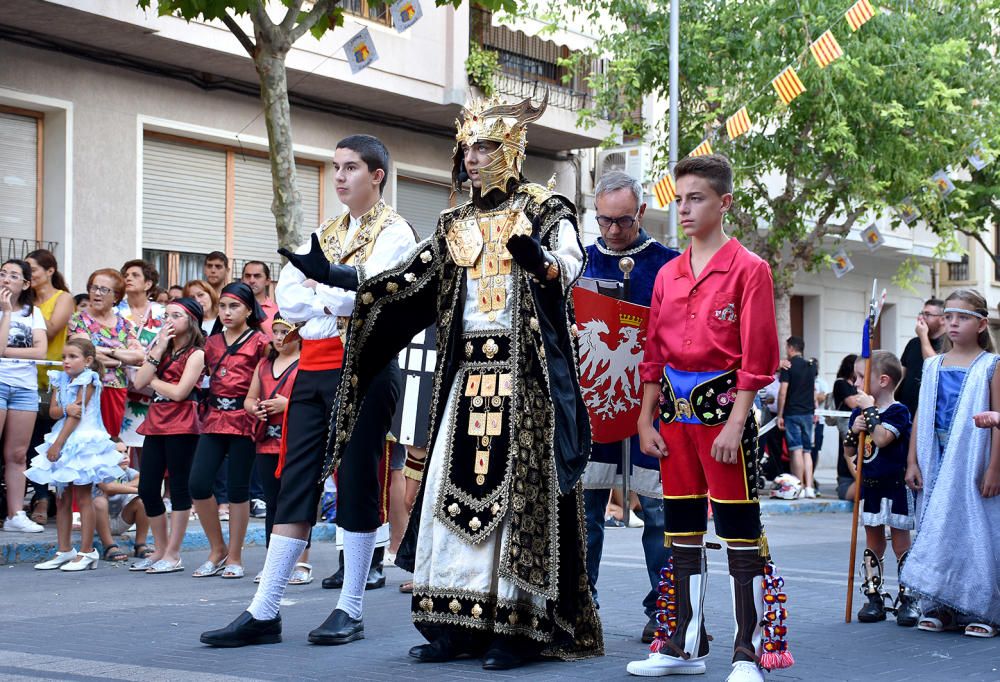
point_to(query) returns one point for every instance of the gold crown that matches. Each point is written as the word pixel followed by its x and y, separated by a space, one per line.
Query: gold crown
pixel 627 320
pixel 505 124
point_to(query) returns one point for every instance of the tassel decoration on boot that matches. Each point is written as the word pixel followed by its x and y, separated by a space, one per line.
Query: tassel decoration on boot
pixel 775 655
pixel 666 608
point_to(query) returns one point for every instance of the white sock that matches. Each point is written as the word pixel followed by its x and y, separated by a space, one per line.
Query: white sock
pixel 279 563
pixel 358 551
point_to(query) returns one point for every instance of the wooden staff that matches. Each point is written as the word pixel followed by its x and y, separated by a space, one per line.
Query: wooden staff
pixel 863 442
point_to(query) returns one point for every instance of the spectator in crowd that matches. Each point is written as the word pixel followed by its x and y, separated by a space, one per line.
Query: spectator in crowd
pixel 115 340
pixel 266 403
pixel 844 400
pixel 821 391
pixel 172 368
pixel 930 341
pixel 82 302
pixel 232 358
pixel 772 464
pixel 796 409
pixel 257 276
pixel 117 506
pixel 141 280
pixel 54 300
pixel 22 337
pixel 76 454
pixel 175 291
pixel 216 271
pixel 205 294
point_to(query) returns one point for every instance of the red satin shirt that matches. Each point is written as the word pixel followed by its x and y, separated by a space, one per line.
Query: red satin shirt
pixel 167 418
pixel 268 384
pixel 722 320
pixel 231 379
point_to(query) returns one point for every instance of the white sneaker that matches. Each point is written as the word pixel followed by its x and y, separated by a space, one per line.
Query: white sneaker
pixel 809 493
pixel 85 560
pixel 745 671
pixel 58 560
pixel 660 665
pixel 20 523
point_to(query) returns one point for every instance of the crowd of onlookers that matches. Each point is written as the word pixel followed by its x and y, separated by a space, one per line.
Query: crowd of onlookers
pixel 121 314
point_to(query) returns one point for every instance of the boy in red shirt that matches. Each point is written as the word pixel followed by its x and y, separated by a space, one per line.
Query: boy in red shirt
pixel 711 344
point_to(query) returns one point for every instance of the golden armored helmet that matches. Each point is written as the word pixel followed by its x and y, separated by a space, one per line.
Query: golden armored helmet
pixel 505 124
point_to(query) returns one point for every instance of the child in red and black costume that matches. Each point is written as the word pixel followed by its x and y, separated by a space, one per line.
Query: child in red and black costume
pixel 173 367
pixel 226 429
pixel 267 402
pixel 711 345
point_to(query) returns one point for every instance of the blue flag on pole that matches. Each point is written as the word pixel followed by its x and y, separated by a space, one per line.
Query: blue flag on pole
pixel 866 342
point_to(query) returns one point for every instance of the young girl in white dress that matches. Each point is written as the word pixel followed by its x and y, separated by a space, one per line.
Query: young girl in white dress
pixel 76 454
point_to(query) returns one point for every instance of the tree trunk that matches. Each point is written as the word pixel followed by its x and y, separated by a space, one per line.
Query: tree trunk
pixel 782 313
pixel 287 203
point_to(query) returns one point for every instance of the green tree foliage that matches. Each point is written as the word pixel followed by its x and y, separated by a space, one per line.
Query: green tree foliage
pixel 268 47
pixel 917 85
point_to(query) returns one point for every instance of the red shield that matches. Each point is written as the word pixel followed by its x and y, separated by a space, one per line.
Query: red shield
pixel 612 336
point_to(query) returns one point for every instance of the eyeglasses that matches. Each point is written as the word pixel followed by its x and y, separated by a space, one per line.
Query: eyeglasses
pixel 625 221
pixel 11 276
pixel 102 291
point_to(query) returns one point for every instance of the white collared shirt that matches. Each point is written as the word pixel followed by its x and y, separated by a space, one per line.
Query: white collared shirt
pixel 319 308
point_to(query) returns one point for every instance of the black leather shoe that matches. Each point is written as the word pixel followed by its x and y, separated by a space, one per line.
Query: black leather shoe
pixel 649 632
pixel 439 651
pixel 507 653
pixel 338 628
pixel 244 631
pixel 376 578
pixel 335 581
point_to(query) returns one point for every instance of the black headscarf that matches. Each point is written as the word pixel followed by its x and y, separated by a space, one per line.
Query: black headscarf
pixel 192 307
pixel 244 294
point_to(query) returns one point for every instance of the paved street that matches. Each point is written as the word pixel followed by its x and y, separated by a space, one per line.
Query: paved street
pixel 111 624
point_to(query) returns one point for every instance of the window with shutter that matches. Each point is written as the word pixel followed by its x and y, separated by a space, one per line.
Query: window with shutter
pixel 421 203
pixel 19 176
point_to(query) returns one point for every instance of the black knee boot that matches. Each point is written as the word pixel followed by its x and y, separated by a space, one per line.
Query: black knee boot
pixel 689 577
pixel 907 613
pixel 874 610
pixel 335 581
pixel 746 571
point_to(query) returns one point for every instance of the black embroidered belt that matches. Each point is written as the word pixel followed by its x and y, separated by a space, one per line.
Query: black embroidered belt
pixel 696 397
pixel 226 404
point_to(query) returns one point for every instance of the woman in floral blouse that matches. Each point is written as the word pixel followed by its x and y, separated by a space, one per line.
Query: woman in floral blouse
pixel 115 340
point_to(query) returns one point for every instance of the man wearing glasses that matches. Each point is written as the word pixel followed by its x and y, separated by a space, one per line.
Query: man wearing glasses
pixel 619 207
pixel 927 343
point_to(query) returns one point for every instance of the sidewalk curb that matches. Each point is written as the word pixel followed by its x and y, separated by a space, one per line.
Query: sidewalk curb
pixel 21 548
pixel 775 506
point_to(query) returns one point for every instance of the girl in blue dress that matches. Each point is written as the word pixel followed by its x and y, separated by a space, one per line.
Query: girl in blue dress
pixel 76 454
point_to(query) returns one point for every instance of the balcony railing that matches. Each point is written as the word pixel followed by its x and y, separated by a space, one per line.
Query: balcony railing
pixel 529 65
pixel 16 247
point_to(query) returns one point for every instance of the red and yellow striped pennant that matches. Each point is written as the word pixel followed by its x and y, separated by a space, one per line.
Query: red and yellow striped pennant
pixel 665 191
pixel 738 124
pixel 704 149
pixel 788 85
pixel 826 50
pixel 859 14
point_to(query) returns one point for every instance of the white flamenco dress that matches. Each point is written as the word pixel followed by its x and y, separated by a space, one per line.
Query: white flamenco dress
pixel 88 455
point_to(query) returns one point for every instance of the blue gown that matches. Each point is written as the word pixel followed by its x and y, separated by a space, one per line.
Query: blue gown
pixel 88 455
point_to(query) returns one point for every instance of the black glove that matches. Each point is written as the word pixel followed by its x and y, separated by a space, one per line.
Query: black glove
pixel 527 252
pixel 315 266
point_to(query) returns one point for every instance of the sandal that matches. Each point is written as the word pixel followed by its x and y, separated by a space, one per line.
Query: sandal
pixel 232 572
pixel 407 587
pixel 209 568
pixel 983 630
pixel 115 554
pixel 40 511
pixel 142 550
pixel 302 575
pixel 938 620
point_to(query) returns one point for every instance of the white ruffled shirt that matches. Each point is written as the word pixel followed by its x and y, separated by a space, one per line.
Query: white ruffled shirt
pixel 319 308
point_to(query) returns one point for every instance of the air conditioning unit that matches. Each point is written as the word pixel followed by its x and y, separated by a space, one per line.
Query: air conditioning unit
pixel 632 160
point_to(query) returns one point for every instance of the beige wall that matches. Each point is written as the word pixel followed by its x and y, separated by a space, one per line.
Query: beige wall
pixel 109 108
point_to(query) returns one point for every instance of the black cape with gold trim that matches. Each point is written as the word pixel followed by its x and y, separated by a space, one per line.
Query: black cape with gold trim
pixel 548 558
